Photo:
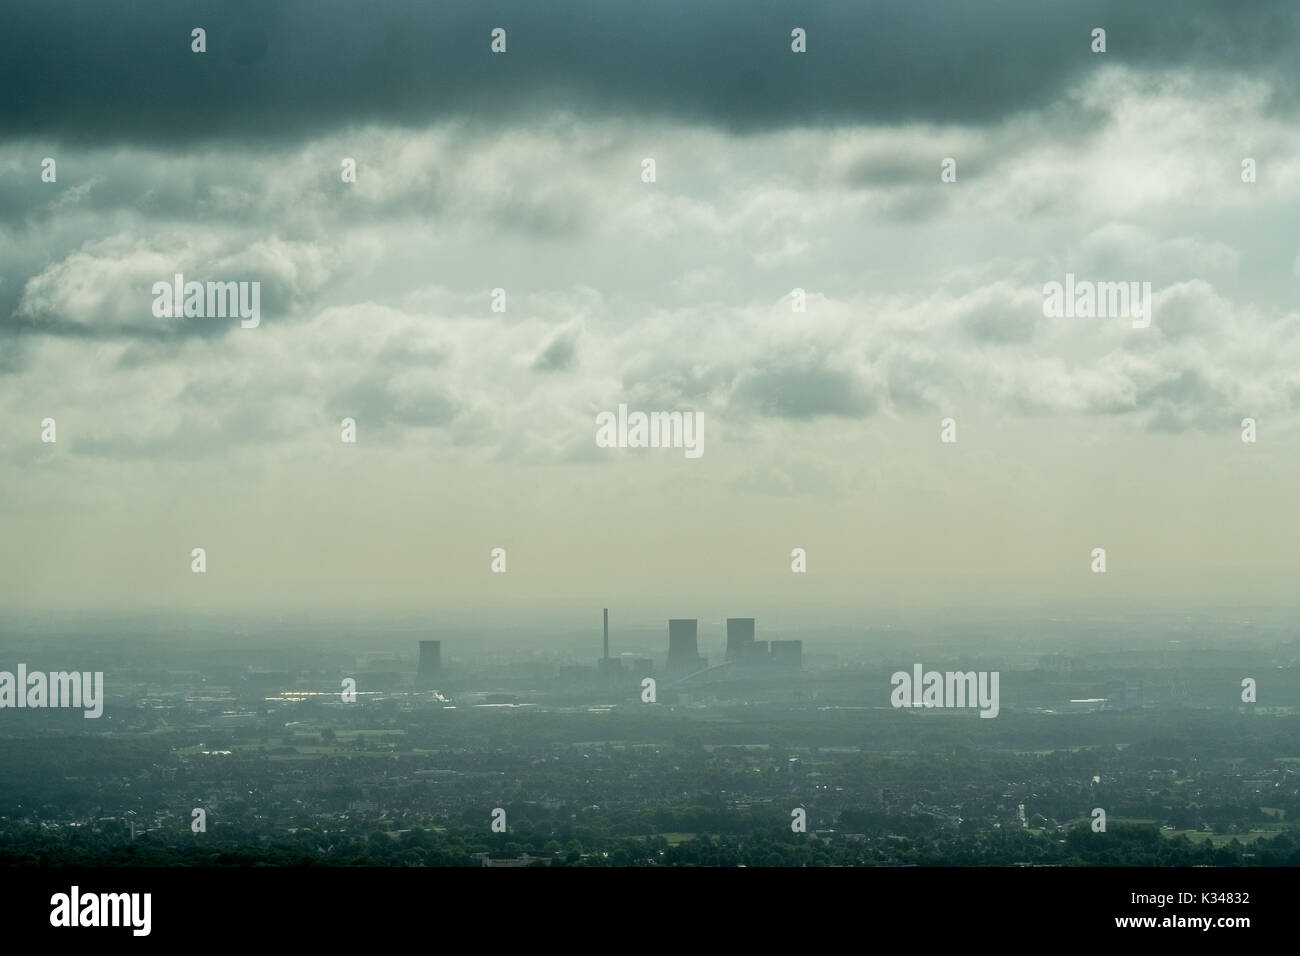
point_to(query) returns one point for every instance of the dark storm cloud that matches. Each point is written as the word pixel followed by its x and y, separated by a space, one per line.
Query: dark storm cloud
pixel 94 71
pixel 803 392
pixel 560 354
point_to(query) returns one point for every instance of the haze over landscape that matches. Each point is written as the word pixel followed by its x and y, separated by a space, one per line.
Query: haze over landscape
pixel 949 575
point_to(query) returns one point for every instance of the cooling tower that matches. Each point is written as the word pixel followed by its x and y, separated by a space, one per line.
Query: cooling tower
pixel 683 646
pixel 740 632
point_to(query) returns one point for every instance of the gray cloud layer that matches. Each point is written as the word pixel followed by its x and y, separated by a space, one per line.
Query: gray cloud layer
pixel 94 72
pixel 775 172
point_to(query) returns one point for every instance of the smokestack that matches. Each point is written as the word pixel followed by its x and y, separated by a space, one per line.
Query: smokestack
pixel 606 633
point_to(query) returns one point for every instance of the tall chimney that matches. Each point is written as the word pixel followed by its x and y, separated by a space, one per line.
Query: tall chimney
pixel 606 633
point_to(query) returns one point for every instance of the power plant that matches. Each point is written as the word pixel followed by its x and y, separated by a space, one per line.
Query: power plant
pixel 747 657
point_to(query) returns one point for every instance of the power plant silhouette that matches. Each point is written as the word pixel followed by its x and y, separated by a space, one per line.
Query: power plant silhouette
pixel 744 657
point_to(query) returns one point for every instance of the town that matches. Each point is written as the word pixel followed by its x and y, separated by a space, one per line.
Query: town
pixel 440 735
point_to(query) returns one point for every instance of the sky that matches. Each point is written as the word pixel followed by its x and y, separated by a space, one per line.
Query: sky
pixel 522 171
